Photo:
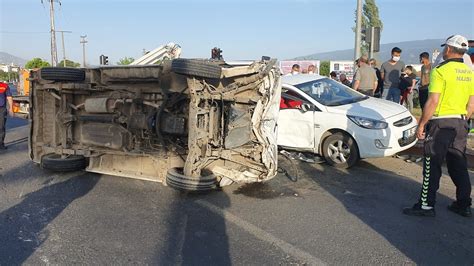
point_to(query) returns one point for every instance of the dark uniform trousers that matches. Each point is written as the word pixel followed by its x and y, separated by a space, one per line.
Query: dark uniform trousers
pixel 445 139
pixel 423 96
pixel 3 121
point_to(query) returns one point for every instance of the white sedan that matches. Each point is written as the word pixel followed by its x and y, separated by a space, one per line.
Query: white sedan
pixel 320 115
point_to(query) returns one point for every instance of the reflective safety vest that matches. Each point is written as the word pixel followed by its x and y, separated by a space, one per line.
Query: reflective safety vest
pixel 454 81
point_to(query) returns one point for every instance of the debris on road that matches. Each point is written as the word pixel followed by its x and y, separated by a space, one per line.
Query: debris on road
pixel 409 158
pixel 305 157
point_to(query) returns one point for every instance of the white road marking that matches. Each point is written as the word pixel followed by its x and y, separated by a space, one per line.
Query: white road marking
pixel 262 235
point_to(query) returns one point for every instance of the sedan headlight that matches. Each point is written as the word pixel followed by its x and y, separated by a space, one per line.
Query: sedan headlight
pixel 367 122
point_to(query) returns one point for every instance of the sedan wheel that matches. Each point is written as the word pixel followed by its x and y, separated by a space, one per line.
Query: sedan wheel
pixel 340 150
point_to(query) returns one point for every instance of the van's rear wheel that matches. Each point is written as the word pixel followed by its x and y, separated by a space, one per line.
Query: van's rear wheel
pixel 62 74
pixel 55 162
pixel 176 179
pixel 340 150
pixel 196 67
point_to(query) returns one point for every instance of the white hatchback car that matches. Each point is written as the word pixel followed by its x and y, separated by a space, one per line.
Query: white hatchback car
pixel 320 115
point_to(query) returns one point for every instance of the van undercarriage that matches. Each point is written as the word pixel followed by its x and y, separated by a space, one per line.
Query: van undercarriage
pixel 191 124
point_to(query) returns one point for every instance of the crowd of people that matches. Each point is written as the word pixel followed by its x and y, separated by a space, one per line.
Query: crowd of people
pixel 395 81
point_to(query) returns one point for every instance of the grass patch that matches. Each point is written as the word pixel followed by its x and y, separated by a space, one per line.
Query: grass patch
pixel 416 112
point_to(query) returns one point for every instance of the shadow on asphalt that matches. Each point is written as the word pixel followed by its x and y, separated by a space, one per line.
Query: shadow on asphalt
pixel 378 202
pixel 196 235
pixel 23 225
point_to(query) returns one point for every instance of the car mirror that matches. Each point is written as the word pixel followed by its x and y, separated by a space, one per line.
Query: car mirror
pixel 305 107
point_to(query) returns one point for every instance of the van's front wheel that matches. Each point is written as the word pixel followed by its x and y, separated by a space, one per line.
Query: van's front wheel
pixel 55 162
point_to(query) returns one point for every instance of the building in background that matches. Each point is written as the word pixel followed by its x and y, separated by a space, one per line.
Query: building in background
pixel 9 68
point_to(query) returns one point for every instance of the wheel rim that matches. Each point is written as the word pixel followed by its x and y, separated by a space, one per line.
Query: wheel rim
pixel 339 151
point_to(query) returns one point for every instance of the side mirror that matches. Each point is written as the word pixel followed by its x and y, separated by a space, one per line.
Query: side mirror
pixel 305 107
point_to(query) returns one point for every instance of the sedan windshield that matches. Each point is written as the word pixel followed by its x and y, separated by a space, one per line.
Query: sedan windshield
pixel 330 92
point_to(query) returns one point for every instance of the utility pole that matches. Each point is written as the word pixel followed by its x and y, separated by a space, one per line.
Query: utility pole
pixel 83 42
pixel 358 30
pixel 54 52
pixel 64 47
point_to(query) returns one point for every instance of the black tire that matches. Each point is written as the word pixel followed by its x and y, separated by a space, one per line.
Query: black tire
pixel 177 180
pixel 62 74
pixel 195 67
pixel 54 162
pixel 340 150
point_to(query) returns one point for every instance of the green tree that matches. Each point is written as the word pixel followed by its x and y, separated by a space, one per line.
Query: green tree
pixel 69 63
pixel 4 75
pixel 36 63
pixel 324 68
pixel 371 14
pixel 370 18
pixel 125 61
pixel 9 76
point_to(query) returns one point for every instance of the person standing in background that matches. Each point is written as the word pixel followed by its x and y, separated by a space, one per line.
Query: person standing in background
pixel 379 91
pixel 470 50
pixel 407 84
pixel 6 106
pixel 343 79
pixel 425 78
pixel 391 72
pixel 365 80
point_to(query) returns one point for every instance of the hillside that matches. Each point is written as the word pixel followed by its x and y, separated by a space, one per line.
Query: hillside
pixel 6 58
pixel 411 51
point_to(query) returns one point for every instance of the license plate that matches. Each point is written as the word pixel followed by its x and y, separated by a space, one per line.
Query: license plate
pixel 409 133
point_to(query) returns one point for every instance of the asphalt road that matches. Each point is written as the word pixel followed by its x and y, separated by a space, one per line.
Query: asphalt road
pixel 329 216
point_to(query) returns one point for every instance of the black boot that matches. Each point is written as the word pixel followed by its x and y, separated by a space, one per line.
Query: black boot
pixel 416 210
pixel 3 147
pixel 463 211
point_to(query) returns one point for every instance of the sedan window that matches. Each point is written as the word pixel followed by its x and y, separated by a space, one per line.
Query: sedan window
pixel 330 93
pixel 291 100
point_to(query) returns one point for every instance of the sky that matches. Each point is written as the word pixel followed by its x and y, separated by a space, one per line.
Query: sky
pixel 244 29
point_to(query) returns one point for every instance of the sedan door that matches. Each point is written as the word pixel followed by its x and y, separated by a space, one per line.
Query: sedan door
pixel 295 126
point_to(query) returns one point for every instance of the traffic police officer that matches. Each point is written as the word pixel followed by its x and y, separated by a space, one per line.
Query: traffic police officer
pixel 444 128
pixel 5 97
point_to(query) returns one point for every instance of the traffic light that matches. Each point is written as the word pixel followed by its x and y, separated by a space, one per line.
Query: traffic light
pixel 371 35
pixel 376 39
pixel 104 60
